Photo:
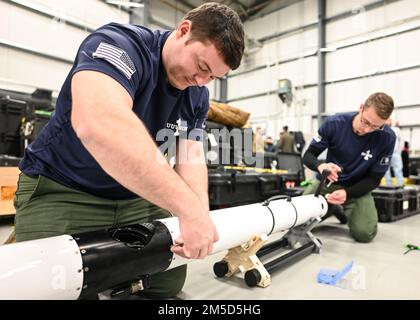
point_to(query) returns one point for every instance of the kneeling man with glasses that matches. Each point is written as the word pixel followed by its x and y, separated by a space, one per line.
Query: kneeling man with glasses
pixel 360 147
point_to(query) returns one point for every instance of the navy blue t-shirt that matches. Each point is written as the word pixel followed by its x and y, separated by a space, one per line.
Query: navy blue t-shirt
pixel 132 55
pixel 357 155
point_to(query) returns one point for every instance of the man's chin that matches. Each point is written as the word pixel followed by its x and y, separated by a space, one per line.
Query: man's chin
pixel 360 133
pixel 177 85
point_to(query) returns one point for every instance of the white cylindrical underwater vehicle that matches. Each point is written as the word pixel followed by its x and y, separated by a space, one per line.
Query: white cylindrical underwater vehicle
pixel 82 265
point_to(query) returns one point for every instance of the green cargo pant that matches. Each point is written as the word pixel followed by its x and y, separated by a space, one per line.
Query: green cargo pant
pixel 361 213
pixel 45 208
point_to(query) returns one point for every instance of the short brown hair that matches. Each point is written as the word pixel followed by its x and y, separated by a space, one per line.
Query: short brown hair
pixel 383 104
pixel 222 26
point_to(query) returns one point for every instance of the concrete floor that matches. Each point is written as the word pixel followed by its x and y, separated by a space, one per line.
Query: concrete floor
pixel 6 231
pixel 380 270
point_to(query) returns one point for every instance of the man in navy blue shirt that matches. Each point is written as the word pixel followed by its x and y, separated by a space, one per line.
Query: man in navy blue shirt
pixel 359 147
pixel 97 163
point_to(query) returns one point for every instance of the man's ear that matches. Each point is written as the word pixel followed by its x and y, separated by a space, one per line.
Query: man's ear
pixel 361 107
pixel 184 28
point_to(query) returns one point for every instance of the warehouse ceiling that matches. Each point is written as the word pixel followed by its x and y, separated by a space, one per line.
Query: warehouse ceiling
pixel 245 8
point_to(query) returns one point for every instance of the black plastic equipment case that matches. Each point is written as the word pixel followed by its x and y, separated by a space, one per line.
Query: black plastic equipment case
pixel 415 192
pixel 9 161
pixel 415 179
pixel 232 188
pixel 15 111
pixel 292 162
pixel 11 113
pixel 414 166
pixel 394 203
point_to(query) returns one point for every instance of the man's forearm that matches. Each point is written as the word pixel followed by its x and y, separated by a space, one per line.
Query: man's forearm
pixel 195 176
pixel 363 186
pixel 193 170
pixel 310 158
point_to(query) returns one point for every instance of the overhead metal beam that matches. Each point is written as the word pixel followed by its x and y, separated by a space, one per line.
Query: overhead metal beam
pixel 288 32
pixel 122 8
pixel 186 4
pixel 366 7
pixel 280 7
pixel 322 11
pixel 374 74
pixel 140 15
pixel 291 59
pixel 241 5
pixel 268 93
pixel 223 89
pixel 160 24
pixel 356 77
pixel 255 8
pixel 174 6
pixel 347 45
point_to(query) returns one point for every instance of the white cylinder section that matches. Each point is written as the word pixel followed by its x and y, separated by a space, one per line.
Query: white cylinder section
pixel 305 207
pixel 49 268
pixel 238 224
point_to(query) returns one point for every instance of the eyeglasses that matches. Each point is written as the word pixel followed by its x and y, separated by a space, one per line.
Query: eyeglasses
pixel 366 123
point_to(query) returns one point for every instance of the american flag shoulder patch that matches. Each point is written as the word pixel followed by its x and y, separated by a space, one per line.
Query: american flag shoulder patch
pixel 117 57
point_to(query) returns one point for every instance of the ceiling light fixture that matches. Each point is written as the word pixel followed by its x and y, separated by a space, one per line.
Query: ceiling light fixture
pixel 127 4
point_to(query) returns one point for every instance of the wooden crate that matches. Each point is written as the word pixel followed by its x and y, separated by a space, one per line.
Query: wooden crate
pixel 227 115
pixel 8 183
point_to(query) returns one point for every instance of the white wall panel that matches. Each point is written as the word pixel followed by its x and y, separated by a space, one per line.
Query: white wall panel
pixel 300 72
pixel 271 110
pixel 92 12
pixel 347 96
pixel 292 45
pixel 367 58
pixel 339 6
pixel 250 83
pixel 267 106
pixel 308 101
pixel 167 14
pixel 33 70
pixel 154 26
pixel 405 88
pixel 45 35
pixel 372 20
pixel 412 137
pixel 212 90
pixel 264 110
pixel 281 49
pixel 302 13
pixel 405 116
pixel 374 56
